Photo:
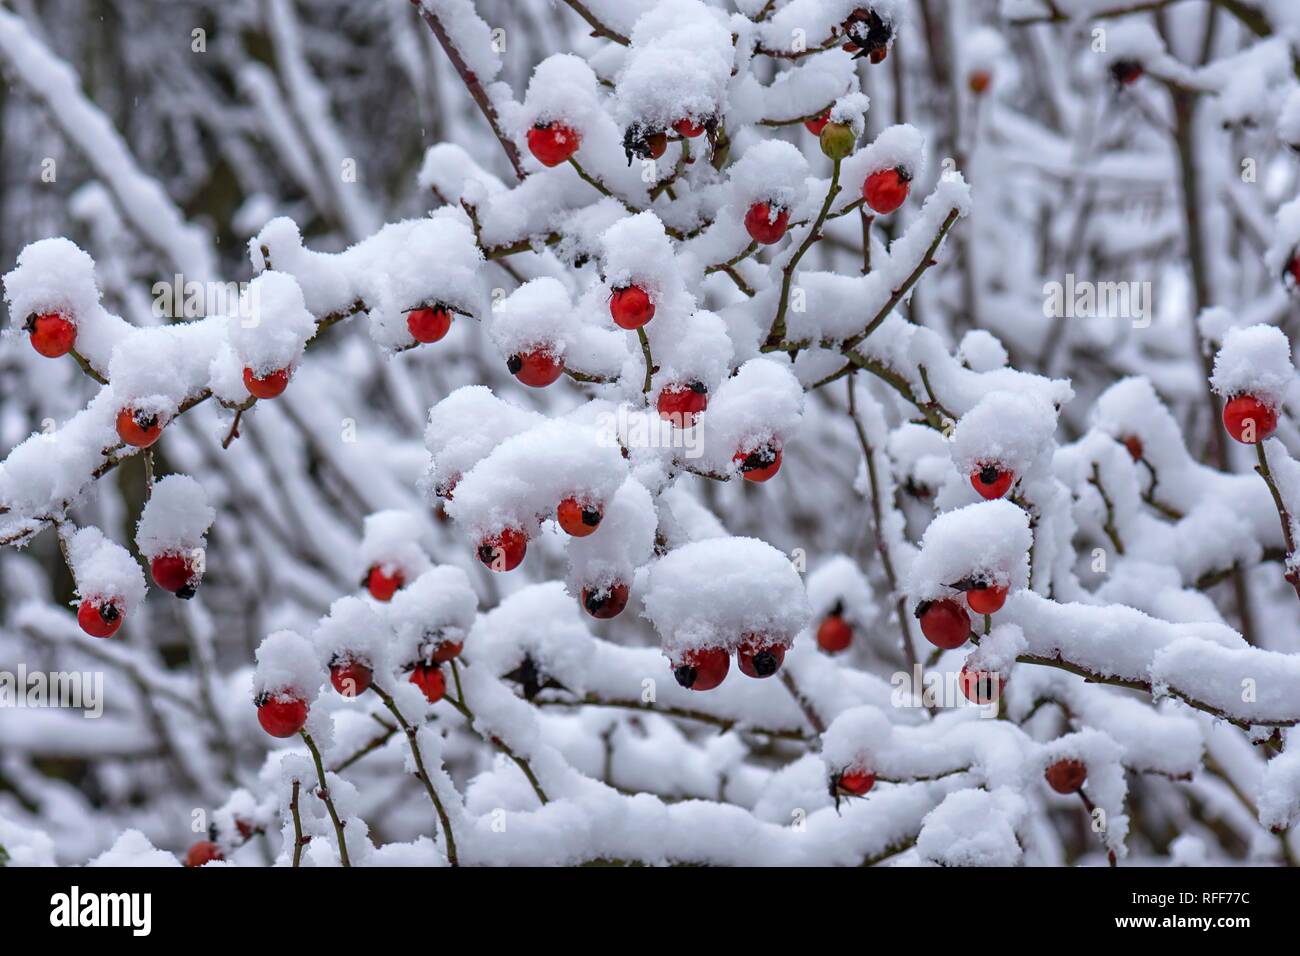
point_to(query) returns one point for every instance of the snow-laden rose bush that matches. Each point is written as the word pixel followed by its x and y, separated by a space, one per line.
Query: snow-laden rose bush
pixel 753 459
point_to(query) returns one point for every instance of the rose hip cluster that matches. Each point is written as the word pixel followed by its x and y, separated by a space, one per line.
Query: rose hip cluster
pixel 706 668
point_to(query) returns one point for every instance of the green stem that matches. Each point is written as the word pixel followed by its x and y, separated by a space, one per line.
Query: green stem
pixel 777 333
pixel 324 794
pixel 500 744
pixel 411 739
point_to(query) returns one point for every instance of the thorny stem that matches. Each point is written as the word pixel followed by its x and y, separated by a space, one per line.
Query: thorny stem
pixel 411 739
pixel 324 794
pixel 1262 468
pixel 777 332
pixel 298 840
pixel 522 763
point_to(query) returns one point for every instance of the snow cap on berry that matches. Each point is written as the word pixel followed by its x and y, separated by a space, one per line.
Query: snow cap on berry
pixel 855 739
pixel 839 583
pixel 771 171
pixel 287 664
pixel 104 570
pixel 175 518
pixel 540 623
pixel 851 111
pixel 1011 430
pixel 997 650
pixel 919 454
pixel 636 251
pixel 678 65
pixel 563 89
pixel 687 348
pixel 439 605
pixel 761 404
pixel 900 145
pixel 1254 361
pixel 714 593
pixel 537 315
pixel 352 630
pixel 1106 785
pixel 465 427
pixel 390 540
pixel 988 540
pixel 414 264
pixel 624 542
pixel 52 275
pixel 529 473
pixel 272 325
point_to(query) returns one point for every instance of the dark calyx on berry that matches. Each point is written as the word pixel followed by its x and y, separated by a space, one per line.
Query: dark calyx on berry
pixel 531 679
pixel 186 591
pixel 765 663
pixel 989 474
pixel 869 33
pixel 642 142
pixel 685 675
pixel 514 364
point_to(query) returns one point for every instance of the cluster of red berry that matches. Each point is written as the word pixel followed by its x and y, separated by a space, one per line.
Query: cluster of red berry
pixel 706 668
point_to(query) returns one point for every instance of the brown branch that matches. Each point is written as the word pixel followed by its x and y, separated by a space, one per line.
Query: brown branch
pixel 1291 574
pixel 598 29
pixel 475 88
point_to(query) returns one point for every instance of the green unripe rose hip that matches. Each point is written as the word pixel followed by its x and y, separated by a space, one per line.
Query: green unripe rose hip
pixel 837 140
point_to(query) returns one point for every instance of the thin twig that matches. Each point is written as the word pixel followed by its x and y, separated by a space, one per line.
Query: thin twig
pixel 324 794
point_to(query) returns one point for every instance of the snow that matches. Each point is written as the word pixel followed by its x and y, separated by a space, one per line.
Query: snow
pixel 1133 541
pixel 717 592
pixel 175 519
pixel 1254 361
pixel 988 541
pixel 104 570
pixel 287 665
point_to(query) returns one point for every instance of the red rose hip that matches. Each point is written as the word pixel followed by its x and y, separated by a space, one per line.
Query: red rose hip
pixel 834 634
pixel 703 669
pixel 991 481
pixel 760 464
pixel 428 325
pixel 758 658
pixel 1067 776
pixel 1249 420
pixel 553 143
pixel 429 678
pixel 606 602
pixel 818 122
pixel 856 782
pixel 682 404
pixel 270 385
pixel 504 550
pixel 536 368
pixel 631 307
pixel 53 335
pixel 578 518
pixel 205 851
pixel 351 678
pixel 981 687
pixel 766 223
pixel 137 428
pixel 98 617
pixel 687 128
pixel 281 715
pixel 944 623
pixel 986 600
pixel 886 189
pixel 382 584
pixel 175 573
